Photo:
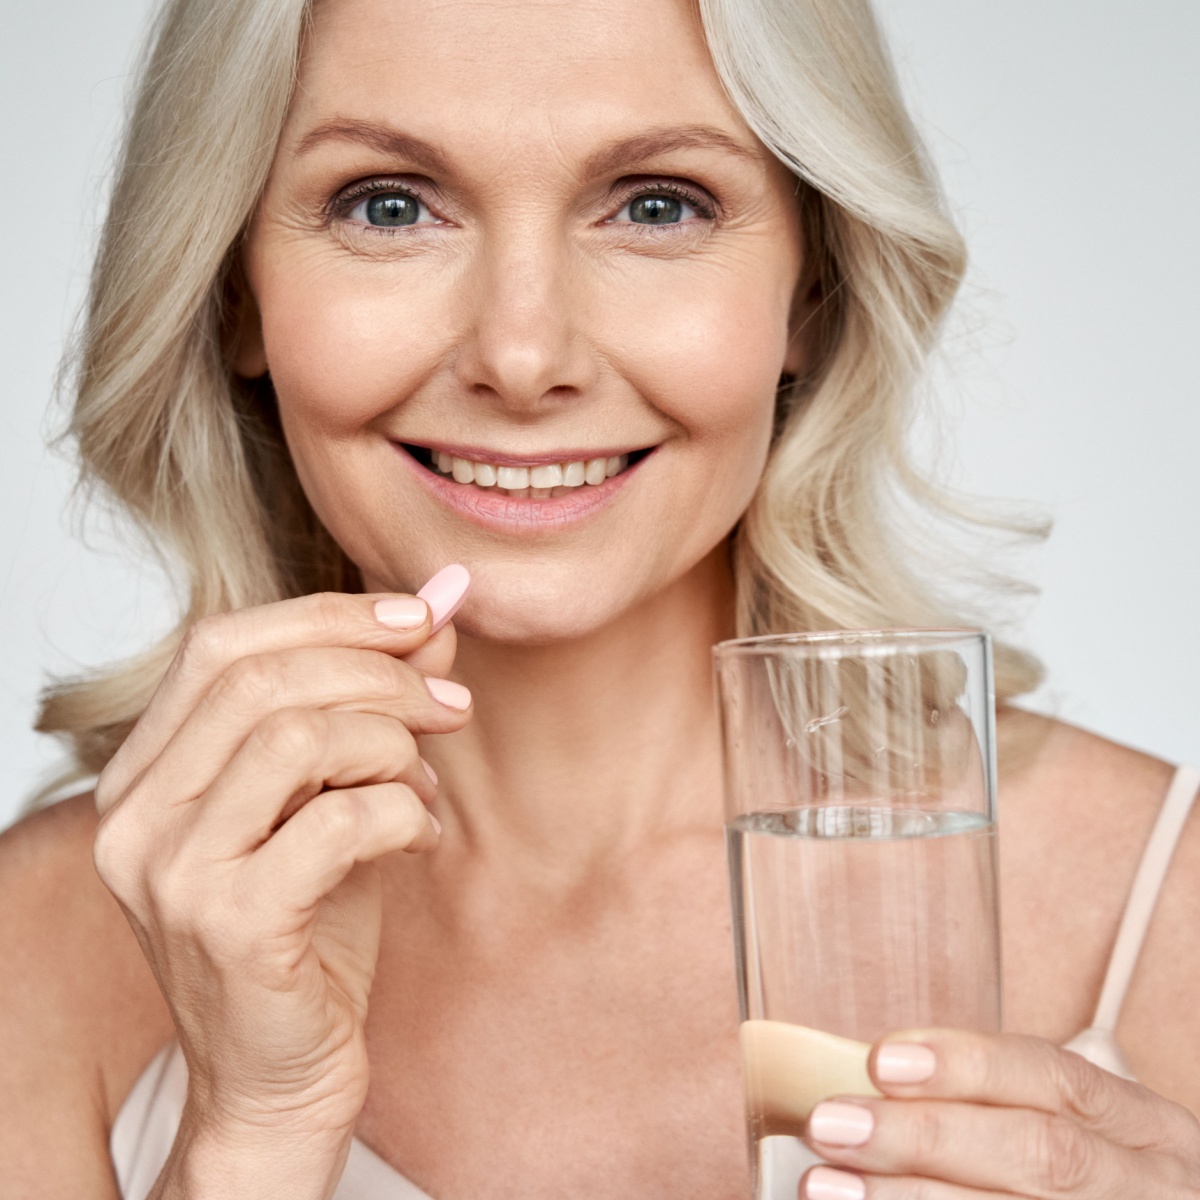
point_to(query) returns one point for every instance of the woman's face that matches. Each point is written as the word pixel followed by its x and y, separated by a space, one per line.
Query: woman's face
pixel 523 236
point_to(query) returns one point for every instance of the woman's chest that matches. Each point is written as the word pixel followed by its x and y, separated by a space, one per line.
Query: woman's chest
pixel 598 1067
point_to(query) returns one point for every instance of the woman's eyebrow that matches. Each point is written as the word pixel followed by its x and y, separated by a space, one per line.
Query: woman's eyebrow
pixel 640 147
pixel 384 138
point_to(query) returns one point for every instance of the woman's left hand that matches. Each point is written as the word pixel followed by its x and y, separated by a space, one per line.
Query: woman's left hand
pixel 975 1117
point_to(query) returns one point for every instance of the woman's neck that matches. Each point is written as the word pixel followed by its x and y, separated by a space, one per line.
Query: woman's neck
pixel 582 750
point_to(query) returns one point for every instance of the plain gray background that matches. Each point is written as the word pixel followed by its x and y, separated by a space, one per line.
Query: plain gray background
pixel 1067 132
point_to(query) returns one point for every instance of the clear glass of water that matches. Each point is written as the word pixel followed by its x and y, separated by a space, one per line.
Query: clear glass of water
pixel 861 824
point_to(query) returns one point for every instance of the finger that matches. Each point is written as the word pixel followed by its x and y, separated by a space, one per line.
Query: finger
pixel 255 687
pixel 1019 1151
pixel 316 848
pixel 436 656
pixel 290 758
pixel 829 1183
pixel 213 644
pixel 1022 1072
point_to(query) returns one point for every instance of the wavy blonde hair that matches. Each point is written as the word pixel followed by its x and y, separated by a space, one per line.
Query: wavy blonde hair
pixel 197 456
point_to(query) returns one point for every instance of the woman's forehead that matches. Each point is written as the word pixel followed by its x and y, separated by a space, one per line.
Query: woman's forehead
pixel 565 65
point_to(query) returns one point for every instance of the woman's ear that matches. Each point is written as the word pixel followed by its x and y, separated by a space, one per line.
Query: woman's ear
pixel 244 346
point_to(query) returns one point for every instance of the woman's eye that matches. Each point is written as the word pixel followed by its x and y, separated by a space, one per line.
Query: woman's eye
pixel 387 210
pixel 657 209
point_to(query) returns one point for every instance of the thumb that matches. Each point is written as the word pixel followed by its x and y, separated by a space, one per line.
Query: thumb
pixel 444 593
pixel 436 656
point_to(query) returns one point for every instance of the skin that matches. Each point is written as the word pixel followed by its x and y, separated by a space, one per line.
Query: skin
pixel 551 1010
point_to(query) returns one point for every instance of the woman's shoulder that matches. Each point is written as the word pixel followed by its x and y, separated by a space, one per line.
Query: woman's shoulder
pixel 1065 786
pixel 1076 802
pixel 1076 813
pixel 1078 809
pixel 1046 754
pixel 81 1013
pixel 1089 803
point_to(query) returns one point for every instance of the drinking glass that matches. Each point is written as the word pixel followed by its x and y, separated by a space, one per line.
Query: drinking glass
pixel 860 824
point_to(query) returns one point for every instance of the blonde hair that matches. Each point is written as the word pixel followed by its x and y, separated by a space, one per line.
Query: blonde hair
pixel 198 459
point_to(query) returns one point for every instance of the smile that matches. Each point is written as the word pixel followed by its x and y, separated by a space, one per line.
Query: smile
pixel 536 480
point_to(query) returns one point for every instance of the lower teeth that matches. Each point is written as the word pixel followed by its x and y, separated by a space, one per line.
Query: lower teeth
pixel 530 492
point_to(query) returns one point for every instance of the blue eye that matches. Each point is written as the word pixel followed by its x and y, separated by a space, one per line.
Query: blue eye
pixel 389 210
pixel 657 209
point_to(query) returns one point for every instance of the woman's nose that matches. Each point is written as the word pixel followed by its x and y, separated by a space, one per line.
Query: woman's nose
pixel 527 346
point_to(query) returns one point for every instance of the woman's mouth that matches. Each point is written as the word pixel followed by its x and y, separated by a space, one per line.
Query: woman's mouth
pixel 539 480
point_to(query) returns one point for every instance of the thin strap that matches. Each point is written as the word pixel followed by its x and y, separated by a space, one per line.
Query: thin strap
pixel 1142 897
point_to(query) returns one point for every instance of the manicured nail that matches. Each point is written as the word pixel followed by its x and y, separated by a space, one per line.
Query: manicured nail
pixel 449 693
pixel 840 1124
pixel 404 612
pixel 437 825
pixel 430 772
pixel 445 592
pixel 904 1062
pixel 824 1183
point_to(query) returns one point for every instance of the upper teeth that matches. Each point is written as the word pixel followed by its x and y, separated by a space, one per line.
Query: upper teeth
pixel 540 478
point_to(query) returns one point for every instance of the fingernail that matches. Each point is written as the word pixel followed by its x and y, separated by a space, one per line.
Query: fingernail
pixel 824 1183
pixel 840 1124
pixel 904 1062
pixel 437 825
pixel 449 693
pixel 404 612
pixel 430 772
pixel 445 592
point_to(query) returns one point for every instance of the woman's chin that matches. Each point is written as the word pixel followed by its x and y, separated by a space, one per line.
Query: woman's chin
pixel 559 598
pixel 536 614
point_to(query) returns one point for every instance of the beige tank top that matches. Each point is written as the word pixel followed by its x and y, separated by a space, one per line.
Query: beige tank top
pixel 145 1127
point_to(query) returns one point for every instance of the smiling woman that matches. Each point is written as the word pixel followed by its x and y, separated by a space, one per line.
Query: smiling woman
pixel 482 235
pixel 620 307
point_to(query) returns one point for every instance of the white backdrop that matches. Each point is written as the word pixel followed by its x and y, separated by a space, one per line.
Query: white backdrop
pixel 1068 131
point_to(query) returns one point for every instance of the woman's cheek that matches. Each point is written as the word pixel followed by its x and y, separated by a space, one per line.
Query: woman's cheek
pixel 339 358
pixel 713 366
pixel 341 352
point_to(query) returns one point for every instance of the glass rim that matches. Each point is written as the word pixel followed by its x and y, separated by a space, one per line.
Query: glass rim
pixel 839 642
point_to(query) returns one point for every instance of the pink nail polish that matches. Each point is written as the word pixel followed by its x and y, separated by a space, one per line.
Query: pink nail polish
pixel 824 1183
pixel 401 612
pixel 430 772
pixel 904 1062
pixel 838 1124
pixel 449 693
pixel 445 592
pixel 437 825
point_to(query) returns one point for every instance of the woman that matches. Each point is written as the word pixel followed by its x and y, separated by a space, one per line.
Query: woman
pixel 567 294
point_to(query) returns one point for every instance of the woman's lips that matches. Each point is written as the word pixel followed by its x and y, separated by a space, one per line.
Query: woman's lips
pixel 495 508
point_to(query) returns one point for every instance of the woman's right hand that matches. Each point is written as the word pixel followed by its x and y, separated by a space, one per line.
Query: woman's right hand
pixel 239 824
